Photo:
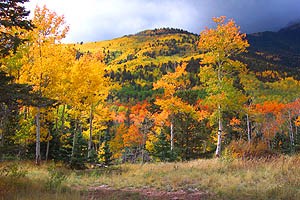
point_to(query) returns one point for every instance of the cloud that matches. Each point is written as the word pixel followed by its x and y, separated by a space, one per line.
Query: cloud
pixel 94 20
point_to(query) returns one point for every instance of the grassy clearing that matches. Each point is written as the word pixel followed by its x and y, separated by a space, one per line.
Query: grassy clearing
pixel 257 179
pixel 24 180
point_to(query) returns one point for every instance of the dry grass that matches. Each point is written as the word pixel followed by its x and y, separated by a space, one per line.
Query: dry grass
pixel 256 179
pixel 32 186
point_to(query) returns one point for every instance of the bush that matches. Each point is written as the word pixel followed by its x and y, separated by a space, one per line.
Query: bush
pixel 227 156
pixel 245 150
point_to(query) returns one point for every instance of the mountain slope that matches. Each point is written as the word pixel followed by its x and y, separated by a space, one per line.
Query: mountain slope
pixel 272 51
pixel 146 48
pixel 283 46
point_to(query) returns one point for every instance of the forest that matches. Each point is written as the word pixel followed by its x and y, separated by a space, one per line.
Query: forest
pixel 163 95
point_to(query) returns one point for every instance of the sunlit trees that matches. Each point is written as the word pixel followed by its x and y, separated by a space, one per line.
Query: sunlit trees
pixel 90 88
pixel 143 123
pixel 170 104
pixel 219 69
pixel 133 124
pixel 169 109
pixel 40 63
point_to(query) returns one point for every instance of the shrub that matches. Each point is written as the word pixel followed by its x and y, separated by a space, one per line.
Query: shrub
pixel 246 150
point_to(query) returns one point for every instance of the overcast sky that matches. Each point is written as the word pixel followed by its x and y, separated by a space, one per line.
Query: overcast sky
pixel 94 20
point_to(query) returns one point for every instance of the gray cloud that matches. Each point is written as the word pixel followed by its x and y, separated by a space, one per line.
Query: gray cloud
pixel 94 20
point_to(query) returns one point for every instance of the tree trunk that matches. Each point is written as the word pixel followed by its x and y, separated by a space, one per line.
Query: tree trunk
pixel 291 133
pixel 47 150
pixel 1 134
pixel 38 136
pixel 1 140
pixel 248 129
pixel 143 146
pixel 56 122
pixel 74 140
pixel 91 133
pixel 205 145
pixel 74 143
pixel 62 120
pixel 48 145
pixel 172 137
pixel 220 129
pixel 219 142
pixel 143 159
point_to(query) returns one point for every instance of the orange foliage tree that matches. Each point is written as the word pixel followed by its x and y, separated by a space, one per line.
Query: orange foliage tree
pixel 217 71
pixel 169 103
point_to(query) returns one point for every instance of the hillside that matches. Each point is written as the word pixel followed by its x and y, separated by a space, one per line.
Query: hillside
pixel 150 47
pixel 279 51
pixel 272 51
pixel 136 61
pixel 285 42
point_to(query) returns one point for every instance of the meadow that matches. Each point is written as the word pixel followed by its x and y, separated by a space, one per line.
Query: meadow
pixel 276 178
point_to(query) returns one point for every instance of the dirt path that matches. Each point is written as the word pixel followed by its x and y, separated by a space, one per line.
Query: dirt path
pixel 105 192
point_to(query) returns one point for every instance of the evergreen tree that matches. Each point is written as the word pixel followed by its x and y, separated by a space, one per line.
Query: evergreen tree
pixel 12 96
pixel 105 155
pixel 79 155
pixel 162 149
pixel 12 17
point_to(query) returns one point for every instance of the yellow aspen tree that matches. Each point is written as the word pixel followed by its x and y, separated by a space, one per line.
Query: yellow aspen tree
pixel 217 70
pixel 91 87
pixel 40 64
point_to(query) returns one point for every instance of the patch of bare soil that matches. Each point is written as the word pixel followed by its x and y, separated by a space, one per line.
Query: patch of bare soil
pixel 105 192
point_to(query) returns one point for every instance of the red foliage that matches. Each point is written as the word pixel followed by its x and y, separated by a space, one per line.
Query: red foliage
pixel 271 107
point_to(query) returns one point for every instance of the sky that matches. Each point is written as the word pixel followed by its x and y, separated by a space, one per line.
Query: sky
pixel 95 20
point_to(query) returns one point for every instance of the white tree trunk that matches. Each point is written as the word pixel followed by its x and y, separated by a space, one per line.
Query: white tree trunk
pixel 248 129
pixel 204 147
pixel 220 129
pixel 38 136
pixel 172 137
pixel 1 140
pixel 91 133
pixel 291 133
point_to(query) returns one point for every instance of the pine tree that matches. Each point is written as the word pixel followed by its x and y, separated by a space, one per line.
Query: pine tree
pixel 79 150
pixel 13 21
pixel 104 153
pixel 162 149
